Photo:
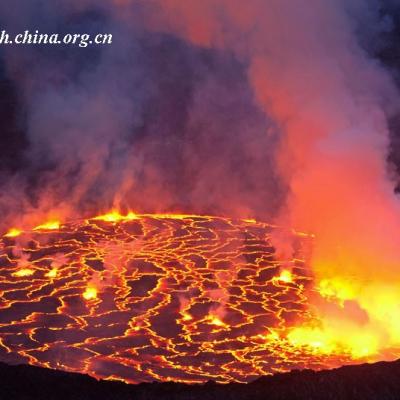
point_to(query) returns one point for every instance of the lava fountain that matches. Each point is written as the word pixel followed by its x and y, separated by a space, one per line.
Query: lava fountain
pixel 166 297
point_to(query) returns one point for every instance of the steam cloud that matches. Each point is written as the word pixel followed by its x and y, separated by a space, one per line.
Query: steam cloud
pixel 258 108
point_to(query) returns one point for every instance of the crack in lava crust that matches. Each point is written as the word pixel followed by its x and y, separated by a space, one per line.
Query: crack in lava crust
pixel 184 298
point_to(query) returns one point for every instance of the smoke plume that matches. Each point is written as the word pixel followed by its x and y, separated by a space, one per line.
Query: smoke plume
pixel 150 123
pixel 331 102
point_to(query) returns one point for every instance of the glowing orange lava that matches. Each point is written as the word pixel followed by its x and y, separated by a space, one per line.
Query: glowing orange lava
pixel 90 293
pixel 50 225
pixel 167 297
pixel 13 232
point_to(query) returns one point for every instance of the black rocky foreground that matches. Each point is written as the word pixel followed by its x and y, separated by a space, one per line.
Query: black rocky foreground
pixel 380 381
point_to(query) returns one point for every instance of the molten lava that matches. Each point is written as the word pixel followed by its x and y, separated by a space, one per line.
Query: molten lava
pixel 166 297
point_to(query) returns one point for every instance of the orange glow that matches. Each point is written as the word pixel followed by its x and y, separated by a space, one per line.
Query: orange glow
pixel 115 216
pixel 50 225
pixel 186 316
pixel 285 276
pixel 315 338
pixel 214 320
pixel 52 273
pixel 337 288
pixel 23 272
pixel 90 293
pixel 357 342
pixel 13 232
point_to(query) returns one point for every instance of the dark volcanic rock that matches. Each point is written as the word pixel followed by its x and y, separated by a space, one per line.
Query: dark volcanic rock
pixel 380 381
